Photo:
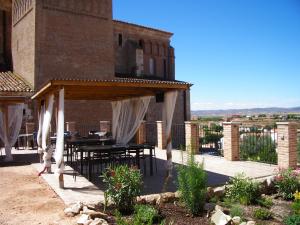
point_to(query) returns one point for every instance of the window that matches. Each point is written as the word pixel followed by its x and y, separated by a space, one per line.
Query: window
pixel 141 44
pixel 151 66
pixel 165 69
pixel 120 40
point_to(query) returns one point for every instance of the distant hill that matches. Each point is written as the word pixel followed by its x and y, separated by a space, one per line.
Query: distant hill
pixel 253 111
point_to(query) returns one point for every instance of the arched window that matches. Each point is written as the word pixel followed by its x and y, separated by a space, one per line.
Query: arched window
pixel 151 66
pixel 120 40
pixel 141 44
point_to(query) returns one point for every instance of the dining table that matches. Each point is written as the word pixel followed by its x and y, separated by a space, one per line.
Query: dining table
pixel 110 149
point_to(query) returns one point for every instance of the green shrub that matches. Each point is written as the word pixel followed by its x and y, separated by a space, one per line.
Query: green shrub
pixel 287 183
pixel 144 214
pixel 192 182
pixel 265 202
pixel 258 148
pixel 262 214
pixel 292 220
pixel 242 189
pixel 124 185
pixel 237 210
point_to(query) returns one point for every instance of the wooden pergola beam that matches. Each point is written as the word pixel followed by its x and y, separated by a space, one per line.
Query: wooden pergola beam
pixel 109 89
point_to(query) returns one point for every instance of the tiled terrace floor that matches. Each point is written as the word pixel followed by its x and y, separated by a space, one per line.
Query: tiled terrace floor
pixel 219 171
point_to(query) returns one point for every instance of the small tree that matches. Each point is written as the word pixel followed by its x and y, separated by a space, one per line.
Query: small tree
pixel 192 182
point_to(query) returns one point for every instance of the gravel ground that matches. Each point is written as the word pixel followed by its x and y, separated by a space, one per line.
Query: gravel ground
pixel 26 199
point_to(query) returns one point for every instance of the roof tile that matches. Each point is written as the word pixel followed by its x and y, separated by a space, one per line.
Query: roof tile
pixel 10 82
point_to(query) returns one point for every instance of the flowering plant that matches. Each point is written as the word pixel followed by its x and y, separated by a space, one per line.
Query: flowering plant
pixel 296 203
pixel 124 185
pixel 287 183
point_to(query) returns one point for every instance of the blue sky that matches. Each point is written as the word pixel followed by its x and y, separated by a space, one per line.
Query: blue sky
pixel 237 53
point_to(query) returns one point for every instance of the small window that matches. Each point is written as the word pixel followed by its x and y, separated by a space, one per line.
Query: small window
pixel 120 40
pixel 165 69
pixel 141 44
pixel 151 66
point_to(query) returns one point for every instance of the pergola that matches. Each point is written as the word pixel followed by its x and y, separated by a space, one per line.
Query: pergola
pixel 111 90
pixel 14 91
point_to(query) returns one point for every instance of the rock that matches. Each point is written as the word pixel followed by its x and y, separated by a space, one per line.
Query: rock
pixel 68 212
pixel 151 199
pixel 177 194
pixel 219 218
pixel 251 223
pixel 218 207
pixel 209 193
pixel 236 220
pixel 86 210
pixel 76 208
pixel 168 197
pixel 219 191
pixel 92 206
pixel 83 219
pixel 88 222
pixel 101 215
pixel 99 221
pixel 141 200
pixel 209 207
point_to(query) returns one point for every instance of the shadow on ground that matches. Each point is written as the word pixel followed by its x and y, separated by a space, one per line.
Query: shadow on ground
pixel 154 184
pixel 151 184
pixel 20 160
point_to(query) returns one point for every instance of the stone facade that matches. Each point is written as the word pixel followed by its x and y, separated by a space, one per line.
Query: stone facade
pixel 287 145
pixel 231 141
pixel 80 40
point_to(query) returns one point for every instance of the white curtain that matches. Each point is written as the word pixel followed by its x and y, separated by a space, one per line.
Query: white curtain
pixel 60 134
pixel 39 134
pixel 47 122
pixel 45 133
pixel 15 116
pixel 168 112
pixel 127 117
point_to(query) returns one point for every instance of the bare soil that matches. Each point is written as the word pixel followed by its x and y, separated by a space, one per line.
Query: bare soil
pixel 26 199
pixel 177 215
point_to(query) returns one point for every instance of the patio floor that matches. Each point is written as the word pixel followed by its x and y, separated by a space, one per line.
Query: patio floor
pixel 219 171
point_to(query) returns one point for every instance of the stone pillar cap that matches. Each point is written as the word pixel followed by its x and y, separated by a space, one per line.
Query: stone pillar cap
pixel 286 123
pixel 231 123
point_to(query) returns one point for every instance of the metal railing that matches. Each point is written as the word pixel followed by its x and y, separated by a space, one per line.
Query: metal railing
pixel 151 132
pixel 210 139
pixel 178 136
pixel 258 145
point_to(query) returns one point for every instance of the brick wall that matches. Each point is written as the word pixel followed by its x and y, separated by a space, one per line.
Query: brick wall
pixel 23 40
pixel 74 40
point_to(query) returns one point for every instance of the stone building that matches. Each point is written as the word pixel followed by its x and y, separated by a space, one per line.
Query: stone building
pixel 42 40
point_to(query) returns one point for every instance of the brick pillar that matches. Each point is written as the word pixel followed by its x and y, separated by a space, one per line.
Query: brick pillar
pixel 161 135
pixel 287 144
pixel 105 126
pixel 192 137
pixel 71 126
pixel 231 146
pixel 141 133
pixel 29 130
